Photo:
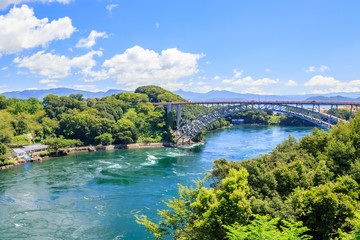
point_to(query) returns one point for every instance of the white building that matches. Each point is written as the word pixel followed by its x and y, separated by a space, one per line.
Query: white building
pixel 18 152
pixel 35 148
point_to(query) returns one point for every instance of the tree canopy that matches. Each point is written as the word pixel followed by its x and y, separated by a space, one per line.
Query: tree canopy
pixel 300 190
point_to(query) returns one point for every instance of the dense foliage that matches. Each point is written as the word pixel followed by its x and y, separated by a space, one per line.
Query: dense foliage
pixel 158 94
pixel 314 182
pixel 72 121
pixel 269 118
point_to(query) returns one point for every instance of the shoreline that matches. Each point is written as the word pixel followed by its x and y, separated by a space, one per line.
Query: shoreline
pixel 74 150
pixel 140 145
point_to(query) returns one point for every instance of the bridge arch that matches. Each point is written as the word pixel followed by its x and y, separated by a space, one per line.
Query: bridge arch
pixel 190 121
pixel 191 128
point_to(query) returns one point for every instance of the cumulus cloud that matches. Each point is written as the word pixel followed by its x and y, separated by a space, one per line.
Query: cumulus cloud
pixel 322 84
pixel 5 3
pixel 136 66
pixel 91 39
pixel 139 66
pixel 291 83
pixel 57 66
pixel 319 80
pixel 20 29
pixel 246 84
pixel 322 68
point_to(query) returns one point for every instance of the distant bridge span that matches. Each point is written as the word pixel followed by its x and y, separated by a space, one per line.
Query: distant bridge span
pixel 193 117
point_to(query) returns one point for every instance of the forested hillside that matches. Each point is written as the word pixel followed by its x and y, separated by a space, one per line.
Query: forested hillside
pixel 68 121
pixel 302 189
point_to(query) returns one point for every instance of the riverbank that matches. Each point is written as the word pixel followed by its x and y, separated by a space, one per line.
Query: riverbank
pixel 74 150
pixel 65 151
pixel 96 195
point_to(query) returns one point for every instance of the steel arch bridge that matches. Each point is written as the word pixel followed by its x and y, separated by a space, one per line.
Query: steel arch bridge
pixel 193 117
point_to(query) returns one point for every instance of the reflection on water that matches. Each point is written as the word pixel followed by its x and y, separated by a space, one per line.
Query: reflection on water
pixel 96 195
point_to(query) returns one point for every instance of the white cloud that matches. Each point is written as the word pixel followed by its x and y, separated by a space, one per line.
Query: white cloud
pixel 217 78
pixel 139 66
pixel 319 80
pixel 322 84
pixel 91 88
pixel 240 81
pixel 20 29
pixel 91 39
pixel 53 85
pixel 267 70
pixel 322 68
pixel 5 3
pixel 111 6
pixel 291 83
pixel 48 81
pixel 4 68
pixel 57 66
pixel 157 25
pixel 310 69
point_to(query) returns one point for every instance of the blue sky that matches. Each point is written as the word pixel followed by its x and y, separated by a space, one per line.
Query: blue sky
pixel 266 47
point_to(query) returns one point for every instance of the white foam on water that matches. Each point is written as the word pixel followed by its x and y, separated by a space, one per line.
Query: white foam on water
pixel 116 165
pixel 178 174
pixel 176 154
pixel 191 146
pixel 101 161
pixel 150 160
pixel 98 170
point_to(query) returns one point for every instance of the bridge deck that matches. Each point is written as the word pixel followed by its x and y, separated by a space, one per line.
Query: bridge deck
pixel 262 102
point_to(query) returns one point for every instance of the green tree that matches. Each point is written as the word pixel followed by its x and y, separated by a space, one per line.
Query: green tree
pixel 264 228
pixel 343 113
pixel 57 143
pixel 83 125
pixel 125 132
pixel 3 149
pixel 3 102
pixel 201 213
pixel 78 97
pixel 104 139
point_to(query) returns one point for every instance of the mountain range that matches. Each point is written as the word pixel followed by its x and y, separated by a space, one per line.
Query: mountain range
pixel 192 96
pixel 232 96
pixel 40 94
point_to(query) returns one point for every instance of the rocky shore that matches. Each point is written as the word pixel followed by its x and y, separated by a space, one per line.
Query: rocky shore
pixel 73 150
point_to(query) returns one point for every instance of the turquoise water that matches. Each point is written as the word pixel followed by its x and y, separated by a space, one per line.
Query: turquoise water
pixel 96 195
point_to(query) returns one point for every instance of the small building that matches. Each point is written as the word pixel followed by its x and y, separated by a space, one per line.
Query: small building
pixel 237 121
pixel 18 152
pixel 35 148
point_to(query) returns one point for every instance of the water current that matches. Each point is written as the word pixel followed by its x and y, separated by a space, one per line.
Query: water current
pixel 96 195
